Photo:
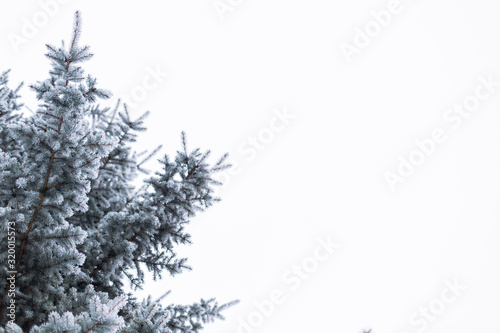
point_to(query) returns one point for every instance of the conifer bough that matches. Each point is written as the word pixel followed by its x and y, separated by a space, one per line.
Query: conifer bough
pixel 73 228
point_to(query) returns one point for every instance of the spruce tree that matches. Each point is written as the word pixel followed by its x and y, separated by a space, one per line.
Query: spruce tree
pixel 77 228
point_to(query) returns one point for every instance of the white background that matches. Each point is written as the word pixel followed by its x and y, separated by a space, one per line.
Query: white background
pixel 323 174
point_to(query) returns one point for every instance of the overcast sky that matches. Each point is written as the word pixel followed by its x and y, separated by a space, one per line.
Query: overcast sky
pixel 365 138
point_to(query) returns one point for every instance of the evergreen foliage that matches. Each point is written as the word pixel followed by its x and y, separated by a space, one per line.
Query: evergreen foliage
pixel 81 228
